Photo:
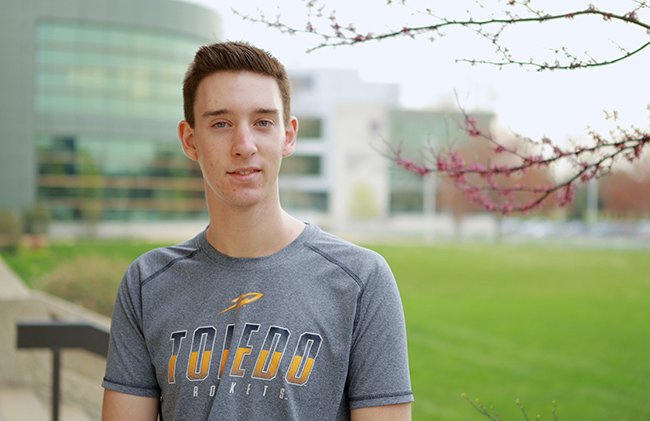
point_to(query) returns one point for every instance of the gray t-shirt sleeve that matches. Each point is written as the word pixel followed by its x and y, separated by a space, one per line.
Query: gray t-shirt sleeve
pixel 378 371
pixel 128 366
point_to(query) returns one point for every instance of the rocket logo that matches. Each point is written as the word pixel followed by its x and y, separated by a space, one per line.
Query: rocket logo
pixel 243 300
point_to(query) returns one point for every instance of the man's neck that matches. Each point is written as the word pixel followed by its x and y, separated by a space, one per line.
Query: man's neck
pixel 252 232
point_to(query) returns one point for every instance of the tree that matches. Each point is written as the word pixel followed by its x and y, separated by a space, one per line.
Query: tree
pixel 489 184
pixel 626 196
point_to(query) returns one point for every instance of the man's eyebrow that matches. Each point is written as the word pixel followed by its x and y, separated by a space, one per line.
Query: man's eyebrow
pixel 214 113
pixel 273 111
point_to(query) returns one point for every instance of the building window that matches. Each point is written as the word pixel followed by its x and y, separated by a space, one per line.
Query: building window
pixel 109 70
pixel 406 202
pixel 297 165
pixel 300 200
pixel 117 178
pixel 310 127
pixel 406 191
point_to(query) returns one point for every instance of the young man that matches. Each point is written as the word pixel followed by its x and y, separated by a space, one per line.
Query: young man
pixel 261 316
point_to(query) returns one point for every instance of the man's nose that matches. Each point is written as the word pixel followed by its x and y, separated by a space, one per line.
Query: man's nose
pixel 244 143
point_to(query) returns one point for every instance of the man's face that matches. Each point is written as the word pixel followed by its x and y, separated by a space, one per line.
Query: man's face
pixel 239 138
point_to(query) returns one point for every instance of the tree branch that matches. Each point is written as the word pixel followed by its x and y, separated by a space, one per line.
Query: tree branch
pixel 334 33
pixel 497 184
pixel 491 184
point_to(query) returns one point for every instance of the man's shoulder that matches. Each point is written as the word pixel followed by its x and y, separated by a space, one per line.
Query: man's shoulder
pixel 154 262
pixel 359 260
pixel 332 243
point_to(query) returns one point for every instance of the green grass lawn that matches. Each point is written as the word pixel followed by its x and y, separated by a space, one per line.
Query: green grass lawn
pixel 503 323
pixel 499 323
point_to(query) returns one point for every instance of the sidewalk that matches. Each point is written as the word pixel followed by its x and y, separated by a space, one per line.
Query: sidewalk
pixel 21 404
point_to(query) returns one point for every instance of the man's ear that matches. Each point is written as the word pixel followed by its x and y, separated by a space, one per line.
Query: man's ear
pixel 186 136
pixel 291 133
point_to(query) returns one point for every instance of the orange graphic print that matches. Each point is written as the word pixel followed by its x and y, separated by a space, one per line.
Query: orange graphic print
pixel 177 339
pixel 303 359
pixel 171 369
pixel 243 349
pixel 201 353
pixel 243 300
pixel 199 367
pixel 273 365
pixel 292 374
pixel 268 361
pixel 226 349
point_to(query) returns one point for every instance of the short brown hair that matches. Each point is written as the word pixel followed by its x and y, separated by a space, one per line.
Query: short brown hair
pixel 233 56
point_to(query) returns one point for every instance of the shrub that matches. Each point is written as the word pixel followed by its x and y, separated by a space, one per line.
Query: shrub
pixel 11 230
pixel 37 220
pixel 90 281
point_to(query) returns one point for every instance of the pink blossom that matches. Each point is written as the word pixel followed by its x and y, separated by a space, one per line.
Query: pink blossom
pixel 412 167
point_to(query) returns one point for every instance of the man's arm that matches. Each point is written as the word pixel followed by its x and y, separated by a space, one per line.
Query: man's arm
pixel 120 406
pixel 399 412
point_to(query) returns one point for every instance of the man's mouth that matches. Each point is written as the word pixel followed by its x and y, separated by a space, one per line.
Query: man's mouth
pixel 244 171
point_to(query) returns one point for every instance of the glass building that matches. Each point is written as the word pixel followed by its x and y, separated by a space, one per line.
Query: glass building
pixel 91 100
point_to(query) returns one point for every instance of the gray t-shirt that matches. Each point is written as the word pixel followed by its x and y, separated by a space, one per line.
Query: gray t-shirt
pixel 304 334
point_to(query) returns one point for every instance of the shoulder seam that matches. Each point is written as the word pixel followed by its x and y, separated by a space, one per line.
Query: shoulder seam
pixel 167 266
pixel 339 264
pixel 349 272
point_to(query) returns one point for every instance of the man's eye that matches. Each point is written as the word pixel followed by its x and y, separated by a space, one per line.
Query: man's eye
pixel 220 124
pixel 265 123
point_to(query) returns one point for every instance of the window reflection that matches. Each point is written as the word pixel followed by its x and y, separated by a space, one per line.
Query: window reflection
pixel 109 70
pixel 123 178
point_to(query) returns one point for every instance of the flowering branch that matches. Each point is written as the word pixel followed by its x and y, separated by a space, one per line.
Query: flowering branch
pixel 324 23
pixel 502 183
pixel 499 184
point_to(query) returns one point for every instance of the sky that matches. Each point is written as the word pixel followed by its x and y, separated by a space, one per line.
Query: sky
pixel 559 104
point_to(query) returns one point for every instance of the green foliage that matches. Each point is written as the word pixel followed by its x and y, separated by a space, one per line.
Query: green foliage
pixel 90 281
pixel 37 220
pixel 11 230
pixel 34 265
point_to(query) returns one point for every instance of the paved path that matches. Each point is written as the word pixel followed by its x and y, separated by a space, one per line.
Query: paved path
pixel 18 404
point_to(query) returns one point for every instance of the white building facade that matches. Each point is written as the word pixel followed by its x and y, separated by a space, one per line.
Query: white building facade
pixel 340 116
pixel 341 176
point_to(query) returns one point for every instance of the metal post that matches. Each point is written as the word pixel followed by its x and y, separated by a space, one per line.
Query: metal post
pixel 56 336
pixel 56 383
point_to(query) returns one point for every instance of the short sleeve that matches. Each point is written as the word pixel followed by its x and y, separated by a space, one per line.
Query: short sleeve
pixel 379 373
pixel 128 366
